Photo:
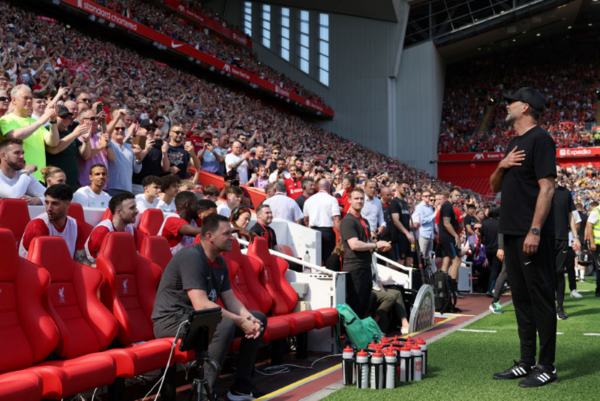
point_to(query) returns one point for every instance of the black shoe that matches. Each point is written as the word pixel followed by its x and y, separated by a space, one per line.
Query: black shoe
pixel 459 295
pixel 560 313
pixel 518 371
pixel 597 294
pixel 243 392
pixel 539 377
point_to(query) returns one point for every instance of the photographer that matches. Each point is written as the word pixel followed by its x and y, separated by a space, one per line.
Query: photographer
pixel 209 156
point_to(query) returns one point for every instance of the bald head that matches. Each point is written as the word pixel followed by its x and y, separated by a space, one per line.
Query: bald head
pixel 324 185
pixel 72 107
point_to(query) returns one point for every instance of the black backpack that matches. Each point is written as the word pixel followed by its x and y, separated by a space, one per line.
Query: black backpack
pixel 445 299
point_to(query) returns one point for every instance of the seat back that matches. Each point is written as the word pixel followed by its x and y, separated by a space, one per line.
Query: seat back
pixel 284 296
pixel 107 214
pixel 14 215
pixel 247 279
pixel 27 331
pixel 84 324
pixel 129 287
pixel 139 238
pixel 156 249
pixel 286 250
pixel 151 221
pixel 76 211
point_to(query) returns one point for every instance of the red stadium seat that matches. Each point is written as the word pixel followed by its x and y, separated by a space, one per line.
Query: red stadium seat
pixel 286 250
pixel 151 221
pixel 29 334
pixel 128 290
pixel 14 215
pixel 21 385
pixel 156 249
pixel 107 215
pixel 76 211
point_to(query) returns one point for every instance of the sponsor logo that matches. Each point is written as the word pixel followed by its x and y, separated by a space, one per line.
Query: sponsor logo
pixel 61 295
pixel 423 311
pixel 418 366
pixel 175 45
pixel 575 152
pixel 227 68
pixel 266 275
pixel 281 91
pixel 307 102
pixel 181 7
pixel 562 152
pixel 79 3
pixel 108 15
pixel 125 286
pixel 479 156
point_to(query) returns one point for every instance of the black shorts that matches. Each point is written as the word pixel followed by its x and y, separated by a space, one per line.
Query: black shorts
pixel 401 248
pixel 446 249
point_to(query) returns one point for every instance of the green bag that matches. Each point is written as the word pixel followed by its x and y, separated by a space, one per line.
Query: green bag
pixel 360 332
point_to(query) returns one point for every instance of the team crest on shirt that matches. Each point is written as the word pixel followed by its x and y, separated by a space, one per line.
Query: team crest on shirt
pixel 61 295
pixel 125 286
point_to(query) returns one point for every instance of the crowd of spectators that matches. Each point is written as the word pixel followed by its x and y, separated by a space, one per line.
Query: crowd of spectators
pixel 565 72
pixel 205 40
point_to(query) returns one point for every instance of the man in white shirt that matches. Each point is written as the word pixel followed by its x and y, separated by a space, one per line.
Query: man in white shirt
pixel 93 195
pixel 149 199
pixel 234 199
pixel 169 186
pixel 280 173
pixel 16 181
pixel 322 213
pixel 282 206
pixel 238 161
pixel 372 211
pixel 424 219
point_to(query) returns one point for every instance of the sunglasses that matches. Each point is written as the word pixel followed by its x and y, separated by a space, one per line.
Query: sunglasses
pixel 86 100
pixel 90 118
pixel 477 228
pixel 178 132
pixel 119 128
pixel 4 99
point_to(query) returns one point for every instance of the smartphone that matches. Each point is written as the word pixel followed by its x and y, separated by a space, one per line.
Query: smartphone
pixel 188 142
pixel 99 108
pixel 139 140
pixel 158 143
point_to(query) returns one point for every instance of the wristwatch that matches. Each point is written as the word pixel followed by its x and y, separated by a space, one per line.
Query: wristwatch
pixel 535 231
pixel 376 247
pixel 138 161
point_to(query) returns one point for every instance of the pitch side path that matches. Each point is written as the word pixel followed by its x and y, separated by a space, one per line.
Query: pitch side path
pixel 468 348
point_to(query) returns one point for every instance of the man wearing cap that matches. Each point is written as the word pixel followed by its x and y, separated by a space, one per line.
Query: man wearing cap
pixel 526 178
pixel 154 159
pixel 66 154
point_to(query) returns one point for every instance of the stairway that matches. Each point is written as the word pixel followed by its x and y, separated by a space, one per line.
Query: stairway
pixel 486 117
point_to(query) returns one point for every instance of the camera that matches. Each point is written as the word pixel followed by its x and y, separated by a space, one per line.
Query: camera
pixel 235 183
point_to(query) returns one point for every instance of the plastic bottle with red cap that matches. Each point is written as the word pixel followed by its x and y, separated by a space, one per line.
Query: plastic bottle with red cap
pixel 405 364
pixel 391 368
pixel 348 366
pixel 421 343
pixel 417 362
pixel 362 369
pixel 377 373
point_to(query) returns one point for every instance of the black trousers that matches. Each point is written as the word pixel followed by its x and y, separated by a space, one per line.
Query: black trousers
pixel 571 269
pixel 496 267
pixel 532 282
pixel 561 251
pixel 596 254
pixel 327 243
pixel 359 284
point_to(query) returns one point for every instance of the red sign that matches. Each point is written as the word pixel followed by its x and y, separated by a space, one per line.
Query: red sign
pixel 208 22
pixel 577 152
pixel 118 19
pixel 470 157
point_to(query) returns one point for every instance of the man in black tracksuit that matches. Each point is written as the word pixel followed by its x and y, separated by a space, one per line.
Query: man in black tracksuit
pixel 526 179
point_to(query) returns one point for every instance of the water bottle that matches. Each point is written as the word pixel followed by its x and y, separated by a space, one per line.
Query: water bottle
pixel 362 369
pixel 405 362
pixel 307 260
pixel 421 343
pixel 391 364
pixel 377 374
pixel 417 362
pixel 348 366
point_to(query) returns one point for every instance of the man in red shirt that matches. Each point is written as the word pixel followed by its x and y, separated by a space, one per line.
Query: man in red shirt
pixel 293 185
pixel 55 222
pixel 349 183
pixel 181 229
pixel 124 211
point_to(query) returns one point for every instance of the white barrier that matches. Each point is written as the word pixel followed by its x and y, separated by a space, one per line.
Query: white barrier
pixel 401 275
pixel 92 215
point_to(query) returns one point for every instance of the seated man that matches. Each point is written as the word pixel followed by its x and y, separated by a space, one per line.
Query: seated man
pixel 181 228
pixel 124 212
pixel 193 280
pixel 264 217
pixel 16 181
pixel 234 199
pixel 93 195
pixel 388 299
pixel 206 207
pixel 149 199
pixel 55 222
pixel 169 186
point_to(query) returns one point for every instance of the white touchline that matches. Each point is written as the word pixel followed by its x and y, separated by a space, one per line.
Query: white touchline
pixel 559 333
pixel 591 334
pixel 479 331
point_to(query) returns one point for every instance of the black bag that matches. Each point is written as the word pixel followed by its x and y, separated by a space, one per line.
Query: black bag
pixel 444 297
pixel 584 256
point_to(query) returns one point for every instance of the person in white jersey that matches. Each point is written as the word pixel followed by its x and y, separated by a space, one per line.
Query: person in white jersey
pixel 93 195
pixel 56 223
pixel 149 199
pixel 283 206
pixel 124 212
pixel 180 229
pixel 16 179
pixel 322 213
pixel 169 186
pixel 234 199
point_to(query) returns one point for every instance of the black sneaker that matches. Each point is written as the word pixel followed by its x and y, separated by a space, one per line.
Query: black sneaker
pixel 242 392
pixel 539 377
pixel 459 295
pixel 518 371
pixel 560 313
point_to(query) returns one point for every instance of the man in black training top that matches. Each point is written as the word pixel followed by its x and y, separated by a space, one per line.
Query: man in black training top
pixel 563 222
pixel 526 178
pixel 264 217
pixel 402 238
pixel 356 237
pixel 193 280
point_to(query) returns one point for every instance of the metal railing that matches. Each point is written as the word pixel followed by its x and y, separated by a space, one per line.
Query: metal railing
pixel 395 264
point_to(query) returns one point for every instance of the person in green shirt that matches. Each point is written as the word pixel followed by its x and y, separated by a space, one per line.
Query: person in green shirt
pixel 35 137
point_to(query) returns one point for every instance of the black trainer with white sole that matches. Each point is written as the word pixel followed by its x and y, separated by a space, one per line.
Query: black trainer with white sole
pixel 518 371
pixel 244 393
pixel 560 313
pixel 539 377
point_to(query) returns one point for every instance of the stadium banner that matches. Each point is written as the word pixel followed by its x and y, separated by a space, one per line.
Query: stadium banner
pixel 147 32
pixel 497 156
pixel 208 22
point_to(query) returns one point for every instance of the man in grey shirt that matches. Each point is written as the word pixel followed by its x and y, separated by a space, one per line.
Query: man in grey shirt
pixel 126 162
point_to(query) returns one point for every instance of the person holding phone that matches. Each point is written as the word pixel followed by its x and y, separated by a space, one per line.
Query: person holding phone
pixel 209 156
pixel 153 157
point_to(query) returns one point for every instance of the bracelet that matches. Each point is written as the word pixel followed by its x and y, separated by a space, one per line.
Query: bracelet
pixel 52 122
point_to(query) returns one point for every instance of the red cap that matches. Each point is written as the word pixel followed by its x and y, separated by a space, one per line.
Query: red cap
pixel 378 354
pixel 384 340
pixel 415 347
pixel 389 352
pixel 362 353
pixel 348 349
pixel 405 348
pixel 420 341
pixel 409 338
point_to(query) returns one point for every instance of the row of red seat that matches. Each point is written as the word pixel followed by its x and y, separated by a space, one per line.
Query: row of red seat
pixel 66 318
